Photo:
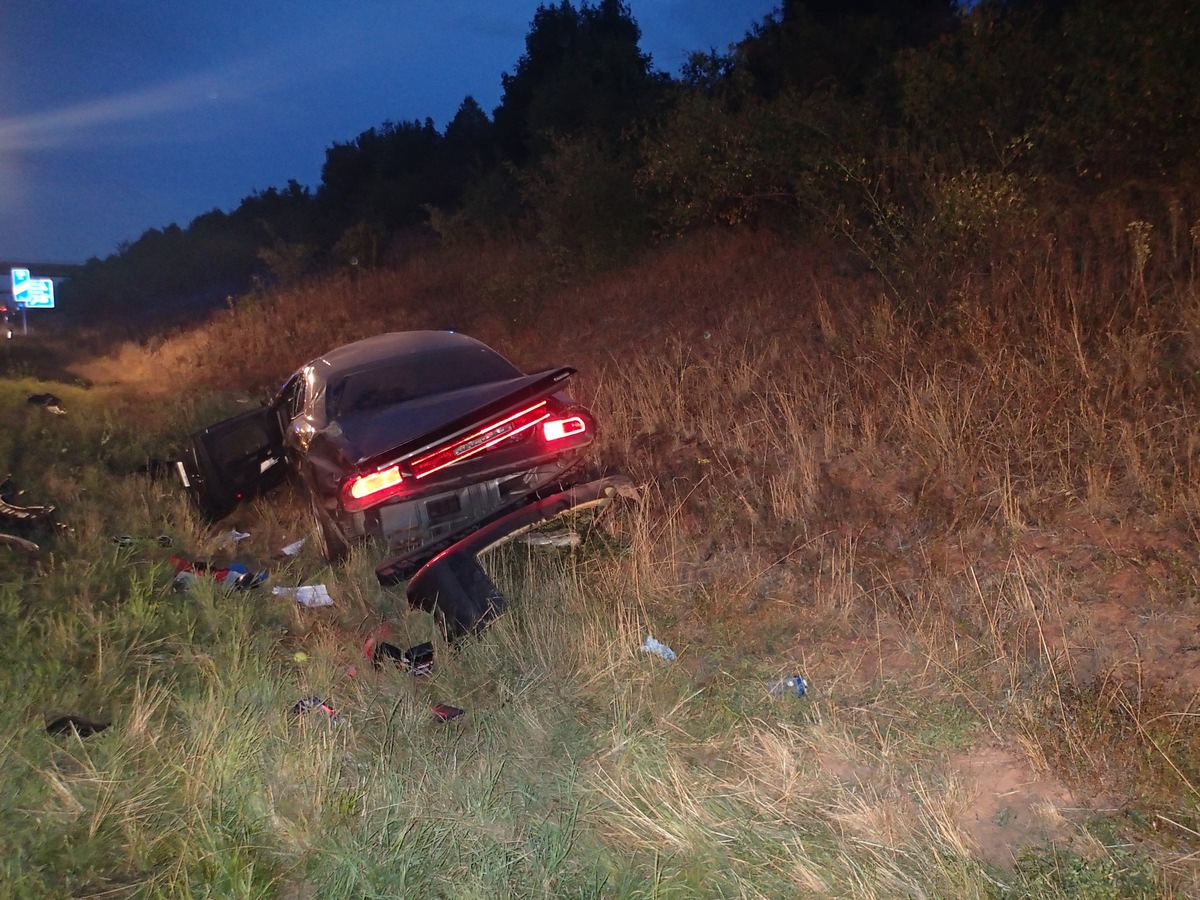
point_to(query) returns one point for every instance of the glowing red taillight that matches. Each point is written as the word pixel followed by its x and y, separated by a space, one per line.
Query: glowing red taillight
pixel 481 440
pixel 557 429
pixel 365 490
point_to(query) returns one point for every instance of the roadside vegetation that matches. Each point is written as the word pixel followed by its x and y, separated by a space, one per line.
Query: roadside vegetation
pixel 937 454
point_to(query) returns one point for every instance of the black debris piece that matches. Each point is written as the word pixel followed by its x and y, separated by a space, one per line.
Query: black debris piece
pixel 418 660
pixel 48 402
pixel 459 593
pixel 14 513
pixel 81 726
pixel 11 540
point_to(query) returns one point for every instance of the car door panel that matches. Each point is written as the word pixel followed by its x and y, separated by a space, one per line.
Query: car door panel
pixel 233 460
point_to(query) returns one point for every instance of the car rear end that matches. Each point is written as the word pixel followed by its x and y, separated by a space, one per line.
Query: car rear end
pixel 450 481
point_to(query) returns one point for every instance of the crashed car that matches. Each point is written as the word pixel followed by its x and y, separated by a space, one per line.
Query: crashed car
pixel 415 438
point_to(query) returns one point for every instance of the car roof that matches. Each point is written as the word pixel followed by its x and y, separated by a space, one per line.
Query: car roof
pixel 383 347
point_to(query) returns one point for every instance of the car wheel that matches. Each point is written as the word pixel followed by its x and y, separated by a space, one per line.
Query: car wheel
pixel 333 545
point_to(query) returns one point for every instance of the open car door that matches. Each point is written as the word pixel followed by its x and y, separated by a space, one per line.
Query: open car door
pixel 232 461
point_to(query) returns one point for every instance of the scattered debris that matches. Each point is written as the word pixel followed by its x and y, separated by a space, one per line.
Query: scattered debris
pixel 25 515
pixel 445 712
pixel 792 686
pixel 13 541
pixel 292 549
pixel 48 402
pixel 418 660
pixel 300 656
pixel 126 540
pixel 316 704
pixel 233 536
pixel 658 648
pixel 551 539
pixel 235 575
pixel 81 726
pixel 311 595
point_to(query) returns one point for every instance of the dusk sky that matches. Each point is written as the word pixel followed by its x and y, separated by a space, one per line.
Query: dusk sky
pixel 121 115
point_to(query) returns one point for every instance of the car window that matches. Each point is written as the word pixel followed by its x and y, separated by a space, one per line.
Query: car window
pixel 415 376
pixel 290 401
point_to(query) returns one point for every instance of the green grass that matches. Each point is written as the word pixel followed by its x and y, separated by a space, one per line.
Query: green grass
pixel 582 767
pixel 863 529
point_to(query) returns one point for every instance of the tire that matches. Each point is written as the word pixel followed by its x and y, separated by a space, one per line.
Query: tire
pixel 334 546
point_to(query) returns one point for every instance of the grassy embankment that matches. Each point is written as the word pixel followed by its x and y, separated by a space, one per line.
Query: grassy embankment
pixel 975 534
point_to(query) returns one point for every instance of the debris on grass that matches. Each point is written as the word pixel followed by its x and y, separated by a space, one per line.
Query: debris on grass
pixel 234 576
pixel 792 686
pixel 445 712
pixel 311 595
pixel 81 726
pixel 292 549
pixel 658 648
pixel 551 539
pixel 418 660
pixel 315 704
pixel 48 402
pixel 20 543
pixel 23 515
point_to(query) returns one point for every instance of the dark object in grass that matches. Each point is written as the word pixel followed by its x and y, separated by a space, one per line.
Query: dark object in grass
pixel 445 712
pixel 23 515
pixel 48 402
pixel 81 726
pixel 316 704
pixel 234 576
pixel 13 541
pixel 418 660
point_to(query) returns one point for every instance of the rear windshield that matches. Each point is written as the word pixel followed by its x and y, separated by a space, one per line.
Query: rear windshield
pixel 398 381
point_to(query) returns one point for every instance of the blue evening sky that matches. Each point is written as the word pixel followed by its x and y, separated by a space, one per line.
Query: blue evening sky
pixel 121 115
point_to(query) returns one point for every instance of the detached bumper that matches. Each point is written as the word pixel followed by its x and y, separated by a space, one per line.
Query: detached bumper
pixel 453 585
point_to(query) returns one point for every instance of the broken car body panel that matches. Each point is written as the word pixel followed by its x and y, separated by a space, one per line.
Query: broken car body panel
pixel 455 587
pixel 412 437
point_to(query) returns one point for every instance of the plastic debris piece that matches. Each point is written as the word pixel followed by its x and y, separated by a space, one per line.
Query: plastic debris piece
pixel 122 540
pixel 445 712
pixel 418 660
pixel 300 656
pixel 316 704
pixel 293 548
pixel 232 536
pixel 311 595
pixel 658 648
pixel 81 726
pixel 792 686
pixel 234 576
pixel 552 539
pixel 164 540
pixel 13 541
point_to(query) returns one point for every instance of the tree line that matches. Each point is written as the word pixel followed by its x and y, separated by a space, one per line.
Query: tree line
pixel 905 128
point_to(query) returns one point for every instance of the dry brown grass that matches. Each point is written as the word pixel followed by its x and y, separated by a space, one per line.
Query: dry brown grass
pixel 837 484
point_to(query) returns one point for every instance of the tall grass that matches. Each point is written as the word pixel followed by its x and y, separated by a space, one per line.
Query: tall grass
pixel 923 513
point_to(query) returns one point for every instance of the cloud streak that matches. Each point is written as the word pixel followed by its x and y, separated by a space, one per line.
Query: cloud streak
pixel 83 122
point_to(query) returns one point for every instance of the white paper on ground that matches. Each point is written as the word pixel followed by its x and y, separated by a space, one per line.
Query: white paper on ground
pixel 307 595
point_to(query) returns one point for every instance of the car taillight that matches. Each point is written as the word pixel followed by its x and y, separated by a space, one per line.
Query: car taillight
pixel 557 429
pixel 366 490
pixel 488 436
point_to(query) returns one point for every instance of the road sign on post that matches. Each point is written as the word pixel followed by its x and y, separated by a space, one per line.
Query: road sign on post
pixel 32 293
